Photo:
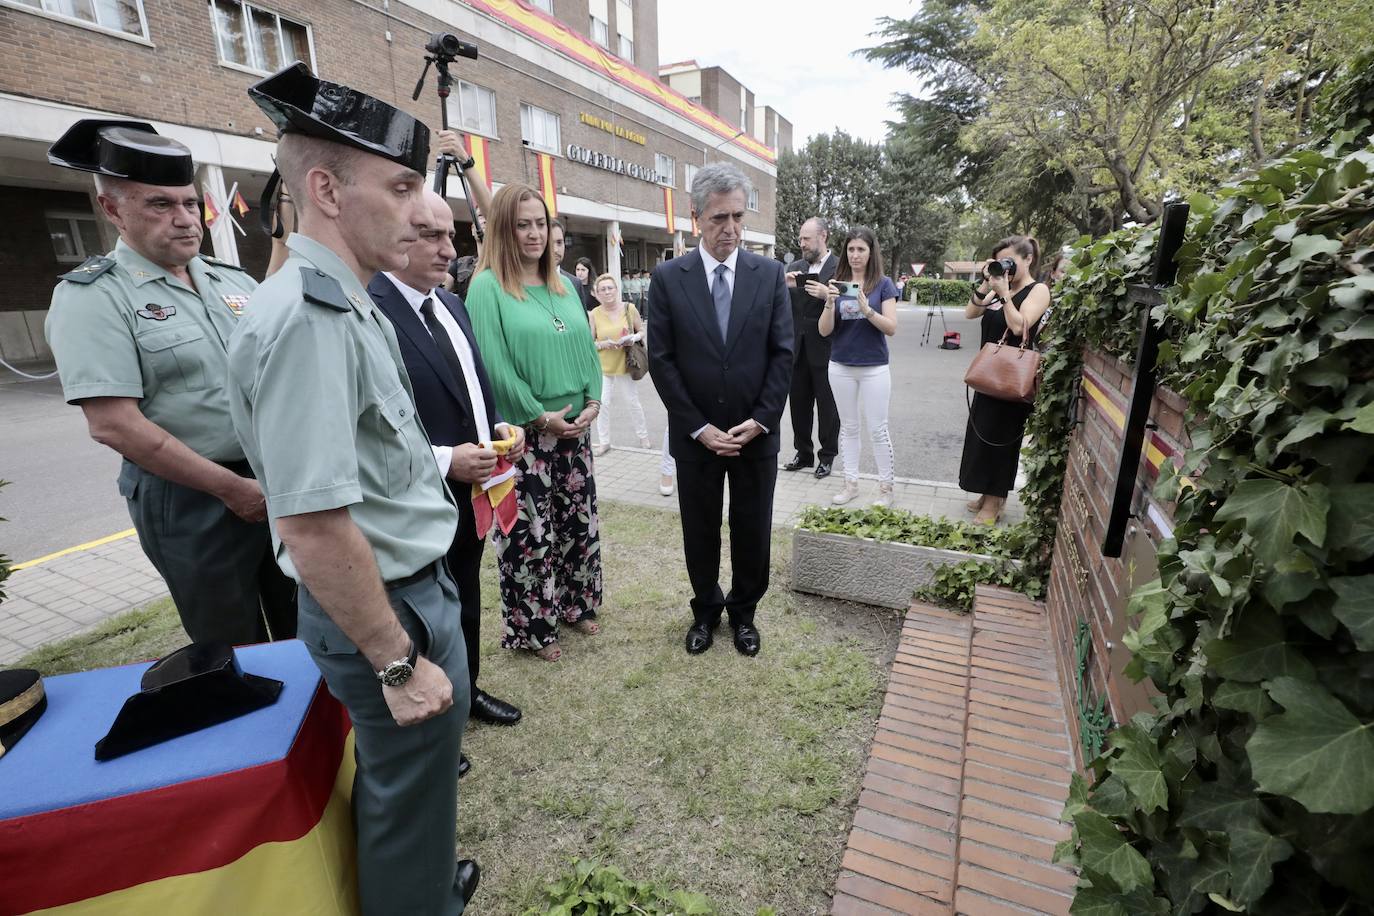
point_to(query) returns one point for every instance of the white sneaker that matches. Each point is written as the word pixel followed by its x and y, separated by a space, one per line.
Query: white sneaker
pixel 884 499
pixel 848 494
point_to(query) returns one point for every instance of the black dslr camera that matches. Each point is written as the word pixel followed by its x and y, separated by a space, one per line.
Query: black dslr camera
pixel 1000 267
pixel 448 47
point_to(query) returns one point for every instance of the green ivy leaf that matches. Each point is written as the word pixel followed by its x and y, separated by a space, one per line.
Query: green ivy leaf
pixel 1112 799
pixel 1094 901
pixel 1247 698
pixel 1105 852
pixel 1307 247
pixel 1350 525
pixel 1363 421
pixel 1354 607
pixel 1220 808
pixel 1140 766
pixel 1315 752
pixel 1257 650
pixel 1275 512
pixel 1254 852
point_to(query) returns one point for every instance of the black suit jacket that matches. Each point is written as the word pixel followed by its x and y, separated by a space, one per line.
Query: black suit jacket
pixel 806 313
pixel 443 402
pixel 703 379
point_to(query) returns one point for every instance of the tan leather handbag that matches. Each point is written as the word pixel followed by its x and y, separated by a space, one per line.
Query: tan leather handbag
pixel 1006 373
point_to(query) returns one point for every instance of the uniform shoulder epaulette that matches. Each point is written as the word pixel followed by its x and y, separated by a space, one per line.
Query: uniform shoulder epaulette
pixel 320 288
pixel 218 263
pixel 90 270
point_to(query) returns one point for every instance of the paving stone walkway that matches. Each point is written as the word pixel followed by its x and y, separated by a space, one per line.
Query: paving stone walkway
pixel 68 594
pixel 967 774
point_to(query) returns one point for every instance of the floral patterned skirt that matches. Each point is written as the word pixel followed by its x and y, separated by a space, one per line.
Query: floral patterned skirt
pixel 550 563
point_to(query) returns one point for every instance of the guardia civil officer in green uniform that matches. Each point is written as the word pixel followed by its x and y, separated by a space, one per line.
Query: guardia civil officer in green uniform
pixel 141 339
pixel 359 512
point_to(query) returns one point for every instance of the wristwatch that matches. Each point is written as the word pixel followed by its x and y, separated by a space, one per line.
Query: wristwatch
pixel 396 673
pixel 467 164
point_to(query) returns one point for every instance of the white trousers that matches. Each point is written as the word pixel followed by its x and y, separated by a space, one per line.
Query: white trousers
pixel 667 464
pixel 611 385
pixel 863 390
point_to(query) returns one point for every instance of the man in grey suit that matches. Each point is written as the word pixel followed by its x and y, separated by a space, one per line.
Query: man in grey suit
pixel 720 354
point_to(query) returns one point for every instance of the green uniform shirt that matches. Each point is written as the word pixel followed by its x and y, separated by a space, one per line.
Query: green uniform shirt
pixel 123 327
pixel 321 402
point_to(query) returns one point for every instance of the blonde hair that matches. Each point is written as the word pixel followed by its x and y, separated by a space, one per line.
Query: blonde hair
pixel 501 252
pixel 607 276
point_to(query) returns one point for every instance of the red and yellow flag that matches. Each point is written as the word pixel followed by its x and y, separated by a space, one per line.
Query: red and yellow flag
pixel 547 187
pixel 668 219
pixel 211 211
pixel 239 204
pixel 481 157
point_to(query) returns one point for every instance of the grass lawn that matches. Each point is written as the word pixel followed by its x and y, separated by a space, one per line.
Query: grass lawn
pixel 729 776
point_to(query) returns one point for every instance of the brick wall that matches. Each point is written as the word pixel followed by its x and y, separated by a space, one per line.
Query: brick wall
pixel 1084 585
pixel 180 80
pixel 28 266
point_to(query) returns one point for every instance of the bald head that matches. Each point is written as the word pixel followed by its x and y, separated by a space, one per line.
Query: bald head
pixel 815 239
pixel 432 254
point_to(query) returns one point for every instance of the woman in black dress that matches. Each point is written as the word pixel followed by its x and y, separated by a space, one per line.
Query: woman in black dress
pixel 1011 303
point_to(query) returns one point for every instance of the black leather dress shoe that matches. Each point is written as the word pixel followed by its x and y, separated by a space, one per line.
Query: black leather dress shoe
pixel 699 638
pixel 465 880
pixel 797 463
pixel 464 764
pixel 487 708
pixel 747 639
pixel 823 470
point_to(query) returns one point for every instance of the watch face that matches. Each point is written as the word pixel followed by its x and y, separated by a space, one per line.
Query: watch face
pixel 396 673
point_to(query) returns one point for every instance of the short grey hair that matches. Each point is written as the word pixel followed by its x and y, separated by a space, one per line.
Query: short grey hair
pixel 820 223
pixel 718 178
pixel 111 186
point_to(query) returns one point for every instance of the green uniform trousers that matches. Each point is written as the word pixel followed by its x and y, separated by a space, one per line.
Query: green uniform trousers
pixel 220 570
pixel 405 791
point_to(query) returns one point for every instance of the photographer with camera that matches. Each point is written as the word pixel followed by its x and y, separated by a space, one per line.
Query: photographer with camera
pixel 1011 304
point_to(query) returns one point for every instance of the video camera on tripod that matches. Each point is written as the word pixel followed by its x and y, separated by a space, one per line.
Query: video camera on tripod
pixel 442 49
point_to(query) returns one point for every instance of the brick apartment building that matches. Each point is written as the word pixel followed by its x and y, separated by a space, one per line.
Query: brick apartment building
pixel 576 81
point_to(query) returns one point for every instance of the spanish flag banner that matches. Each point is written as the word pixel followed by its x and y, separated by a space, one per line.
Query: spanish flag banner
pixel 211 211
pixel 668 219
pixel 481 157
pixel 239 203
pixel 547 187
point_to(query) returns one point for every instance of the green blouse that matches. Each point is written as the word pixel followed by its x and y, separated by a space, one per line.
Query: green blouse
pixel 534 367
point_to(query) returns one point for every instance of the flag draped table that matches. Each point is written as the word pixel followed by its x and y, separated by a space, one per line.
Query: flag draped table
pixel 250 816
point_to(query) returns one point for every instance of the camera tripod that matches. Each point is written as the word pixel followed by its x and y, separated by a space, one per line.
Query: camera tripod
pixel 931 309
pixel 443 49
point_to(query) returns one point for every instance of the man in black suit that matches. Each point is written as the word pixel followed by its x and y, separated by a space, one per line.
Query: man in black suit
pixel 811 365
pixel 453 396
pixel 557 238
pixel 720 354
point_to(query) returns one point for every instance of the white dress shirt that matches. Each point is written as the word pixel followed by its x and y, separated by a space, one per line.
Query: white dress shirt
pixel 820 265
pixel 443 454
pixel 711 264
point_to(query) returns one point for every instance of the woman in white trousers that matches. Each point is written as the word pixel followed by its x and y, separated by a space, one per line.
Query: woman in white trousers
pixel 615 325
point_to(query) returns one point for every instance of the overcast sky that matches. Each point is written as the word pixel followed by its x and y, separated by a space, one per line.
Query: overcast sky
pixel 798 62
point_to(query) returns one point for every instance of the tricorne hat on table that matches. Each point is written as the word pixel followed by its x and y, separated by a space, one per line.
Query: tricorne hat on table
pixel 124 149
pixel 297 101
pixel 22 701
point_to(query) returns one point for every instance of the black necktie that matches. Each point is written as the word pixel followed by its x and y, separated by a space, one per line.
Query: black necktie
pixel 445 345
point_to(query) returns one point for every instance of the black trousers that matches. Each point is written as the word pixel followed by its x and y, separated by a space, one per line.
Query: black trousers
pixel 465 565
pixel 701 495
pixel 220 570
pixel 811 385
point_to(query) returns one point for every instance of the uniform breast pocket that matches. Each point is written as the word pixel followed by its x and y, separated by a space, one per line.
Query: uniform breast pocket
pixel 177 357
pixel 401 434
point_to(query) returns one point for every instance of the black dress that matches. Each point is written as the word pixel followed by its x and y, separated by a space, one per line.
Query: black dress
pixel 992 440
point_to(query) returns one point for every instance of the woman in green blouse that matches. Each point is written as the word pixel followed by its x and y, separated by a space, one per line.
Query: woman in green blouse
pixel 533 335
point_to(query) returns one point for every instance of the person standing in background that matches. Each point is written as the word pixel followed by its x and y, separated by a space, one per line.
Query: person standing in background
pixel 810 364
pixel 615 325
pixel 859 322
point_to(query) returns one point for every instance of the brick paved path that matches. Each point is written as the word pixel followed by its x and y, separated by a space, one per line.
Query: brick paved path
pixel 967 774
pixel 69 594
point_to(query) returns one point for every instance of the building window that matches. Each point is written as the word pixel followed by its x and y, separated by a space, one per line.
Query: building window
pixel 473 109
pixel 666 167
pixel 694 99
pixel 545 5
pixel 258 39
pixel 539 128
pixel 689 175
pixel 123 17
pixel 754 199
pixel 600 33
pixel 75 237
pixel 627 49
pixel 625 29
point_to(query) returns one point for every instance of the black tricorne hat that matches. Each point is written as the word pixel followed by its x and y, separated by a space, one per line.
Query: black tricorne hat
pixel 297 101
pixel 22 701
pixel 124 149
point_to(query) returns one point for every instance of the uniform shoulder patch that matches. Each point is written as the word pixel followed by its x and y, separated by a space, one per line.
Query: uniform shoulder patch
pixel 90 270
pixel 218 263
pixel 322 289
